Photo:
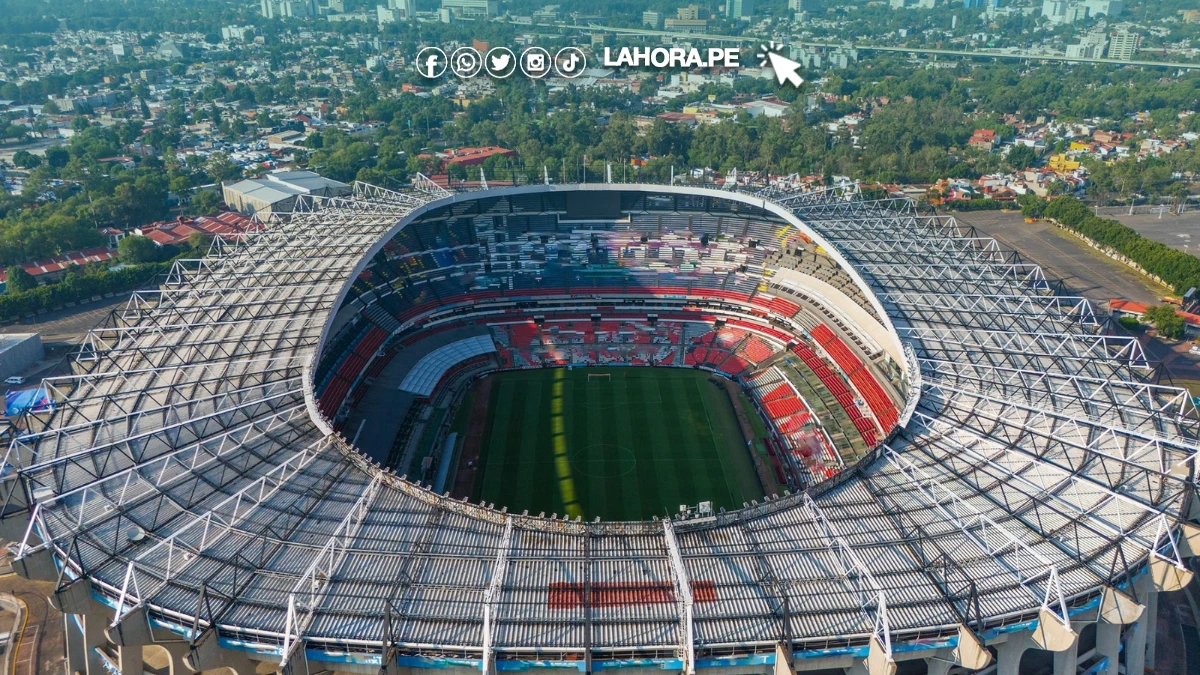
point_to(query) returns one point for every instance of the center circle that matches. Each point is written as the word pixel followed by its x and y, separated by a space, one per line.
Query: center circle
pixel 603 460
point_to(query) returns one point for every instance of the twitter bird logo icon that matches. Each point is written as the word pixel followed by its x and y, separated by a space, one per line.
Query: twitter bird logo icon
pixel 500 62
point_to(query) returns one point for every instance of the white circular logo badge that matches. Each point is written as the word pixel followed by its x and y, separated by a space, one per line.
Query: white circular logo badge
pixel 536 62
pixel 466 62
pixel 431 62
pixel 570 62
pixel 500 62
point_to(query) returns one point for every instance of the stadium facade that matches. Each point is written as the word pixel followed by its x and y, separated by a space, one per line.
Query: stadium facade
pixel 193 497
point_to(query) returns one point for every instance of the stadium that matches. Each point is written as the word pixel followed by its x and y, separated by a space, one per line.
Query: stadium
pixel 588 427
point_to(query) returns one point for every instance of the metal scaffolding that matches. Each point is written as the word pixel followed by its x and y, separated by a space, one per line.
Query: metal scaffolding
pixel 186 468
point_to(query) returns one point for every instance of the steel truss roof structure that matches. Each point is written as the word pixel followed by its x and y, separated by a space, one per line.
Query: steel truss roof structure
pixel 187 471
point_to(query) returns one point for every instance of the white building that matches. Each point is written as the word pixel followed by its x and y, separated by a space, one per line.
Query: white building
pixel 472 9
pixel 810 6
pixel 768 108
pixel 405 9
pixel 239 33
pixel 386 15
pixel 1091 46
pixel 739 9
pixel 278 192
pixel 809 60
pixel 1061 11
pixel 1105 7
pixel 276 9
pixel 1122 45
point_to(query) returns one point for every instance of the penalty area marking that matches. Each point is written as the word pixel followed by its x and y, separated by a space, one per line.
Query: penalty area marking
pixel 621 385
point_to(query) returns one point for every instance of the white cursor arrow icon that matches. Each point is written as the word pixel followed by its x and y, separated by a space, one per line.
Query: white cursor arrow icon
pixel 785 69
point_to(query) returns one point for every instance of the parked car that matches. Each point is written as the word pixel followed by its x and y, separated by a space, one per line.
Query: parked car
pixel 15 379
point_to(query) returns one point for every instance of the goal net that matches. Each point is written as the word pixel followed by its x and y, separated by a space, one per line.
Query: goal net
pixel 592 377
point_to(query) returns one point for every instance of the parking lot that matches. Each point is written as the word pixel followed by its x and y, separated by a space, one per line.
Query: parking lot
pixel 1063 256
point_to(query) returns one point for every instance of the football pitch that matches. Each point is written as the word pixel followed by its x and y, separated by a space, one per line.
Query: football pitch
pixel 636 444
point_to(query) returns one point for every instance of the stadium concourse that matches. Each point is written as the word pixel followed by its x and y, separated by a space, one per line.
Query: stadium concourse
pixel 982 477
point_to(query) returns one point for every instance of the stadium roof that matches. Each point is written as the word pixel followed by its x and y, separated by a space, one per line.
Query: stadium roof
pixel 1037 465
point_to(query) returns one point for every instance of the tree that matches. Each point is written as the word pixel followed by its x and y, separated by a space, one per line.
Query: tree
pixel 1021 157
pixel 57 156
pixel 221 169
pixel 205 202
pixel 1168 323
pixel 1130 323
pixel 200 241
pixel 26 159
pixel 136 249
pixel 1032 206
pixel 19 280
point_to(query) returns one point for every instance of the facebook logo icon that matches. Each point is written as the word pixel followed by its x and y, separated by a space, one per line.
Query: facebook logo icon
pixel 431 62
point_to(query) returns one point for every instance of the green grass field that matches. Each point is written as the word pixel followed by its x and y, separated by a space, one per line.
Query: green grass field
pixel 628 448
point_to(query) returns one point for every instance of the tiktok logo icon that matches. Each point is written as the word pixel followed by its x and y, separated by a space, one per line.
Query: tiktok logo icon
pixel 570 62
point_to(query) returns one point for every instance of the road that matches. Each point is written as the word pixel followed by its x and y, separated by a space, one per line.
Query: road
pixel 67 325
pixel 37 147
pixel 61 332
pixel 42 648
pixel 926 51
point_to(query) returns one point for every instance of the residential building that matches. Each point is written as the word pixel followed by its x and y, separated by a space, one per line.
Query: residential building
pixel 293 8
pixel 810 60
pixel 810 6
pixel 1061 11
pixel 279 9
pixel 1122 45
pixel 983 139
pixel 239 33
pixel 405 9
pixel 652 19
pixel 337 5
pixel 692 13
pixel 739 9
pixel 1091 46
pixel 386 15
